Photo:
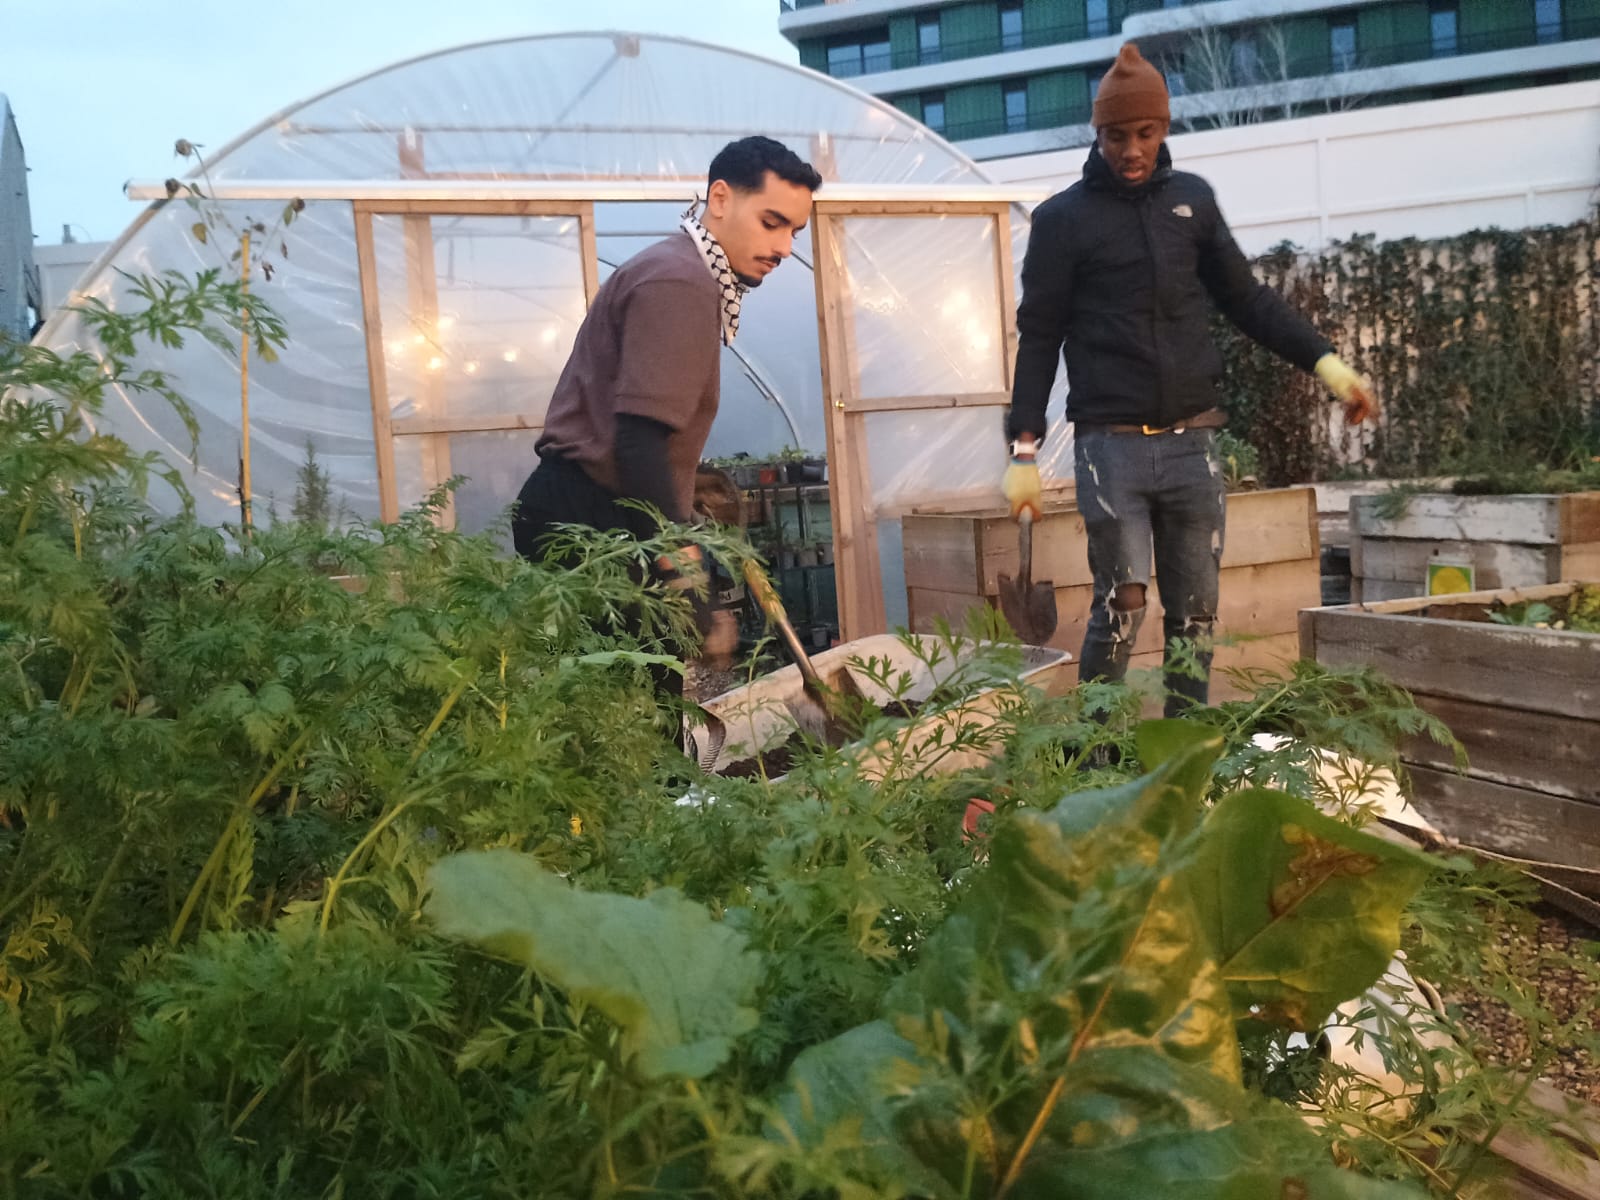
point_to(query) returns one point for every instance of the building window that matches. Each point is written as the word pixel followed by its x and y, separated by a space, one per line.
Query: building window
pixel 859 54
pixel 933 111
pixel 1342 45
pixel 1099 14
pixel 928 49
pixel 1444 18
pixel 1547 20
pixel 1016 95
pixel 1246 59
pixel 1011 25
pixel 1177 85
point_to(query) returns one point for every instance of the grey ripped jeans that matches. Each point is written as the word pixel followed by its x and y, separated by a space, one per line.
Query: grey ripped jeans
pixel 1136 491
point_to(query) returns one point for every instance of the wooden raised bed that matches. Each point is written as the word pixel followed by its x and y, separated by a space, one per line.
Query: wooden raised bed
pixel 1524 702
pixel 1270 571
pixel 1511 541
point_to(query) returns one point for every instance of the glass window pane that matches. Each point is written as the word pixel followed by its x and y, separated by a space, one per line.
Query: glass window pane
pixel 1011 27
pixel 1342 43
pixel 933 113
pixel 495 464
pixel 479 313
pixel 876 56
pixel 1442 28
pixel 1547 20
pixel 1099 15
pixel 928 46
pixel 844 60
pixel 925 302
pixel 1016 96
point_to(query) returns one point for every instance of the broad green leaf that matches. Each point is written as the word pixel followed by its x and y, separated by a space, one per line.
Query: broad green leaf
pixel 677 982
pixel 839 1097
pixel 1132 1125
pixel 1077 927
pixel 1302 911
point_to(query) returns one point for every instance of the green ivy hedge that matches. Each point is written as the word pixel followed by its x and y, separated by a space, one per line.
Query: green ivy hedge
pixel 1484 348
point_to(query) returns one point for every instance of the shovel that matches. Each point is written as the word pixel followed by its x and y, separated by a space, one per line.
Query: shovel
pixel 1030 607
pixel 820 709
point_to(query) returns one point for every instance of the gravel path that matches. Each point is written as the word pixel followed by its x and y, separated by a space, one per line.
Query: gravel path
pixel 1564 990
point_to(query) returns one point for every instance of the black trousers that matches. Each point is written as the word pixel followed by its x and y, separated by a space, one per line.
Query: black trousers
pixel 560 492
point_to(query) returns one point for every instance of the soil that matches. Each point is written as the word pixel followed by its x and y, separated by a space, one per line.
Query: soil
pixel 1563 990
pixel 1559 612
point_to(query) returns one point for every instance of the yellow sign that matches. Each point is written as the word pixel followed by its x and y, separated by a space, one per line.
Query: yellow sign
pixel 1450 578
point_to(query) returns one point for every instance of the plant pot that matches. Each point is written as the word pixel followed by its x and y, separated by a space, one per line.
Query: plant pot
pixel 769 475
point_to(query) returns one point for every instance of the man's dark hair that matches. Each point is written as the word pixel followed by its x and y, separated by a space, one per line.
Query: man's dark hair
pixel 743 165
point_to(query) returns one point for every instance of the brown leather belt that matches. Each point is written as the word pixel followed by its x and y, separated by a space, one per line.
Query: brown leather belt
pixel 1212 418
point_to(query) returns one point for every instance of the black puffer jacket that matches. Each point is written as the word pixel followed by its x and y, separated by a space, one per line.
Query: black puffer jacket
pixel 1120 276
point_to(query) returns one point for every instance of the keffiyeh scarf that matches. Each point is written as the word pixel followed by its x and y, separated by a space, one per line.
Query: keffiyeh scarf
pixel 717 263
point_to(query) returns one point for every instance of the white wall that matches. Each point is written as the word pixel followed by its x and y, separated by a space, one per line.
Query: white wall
pixel 1441 167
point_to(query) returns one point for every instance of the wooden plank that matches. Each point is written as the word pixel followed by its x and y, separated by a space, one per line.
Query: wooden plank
pixel 1382 591
pixel 1580 562
pixel 866 404
pixel 1580 517
pixel 1540 670
pixel 377 371
pixel 1518 822
pixel 1275 651
pixel 463 208
pixel 942 554
pixel 1263 527
pixel 1264 598
pixel 445 425
pixel 1419 605
pixel 908 208
pixel 1543 751
pixel 1532 519
pixel 858 575
pixel 590 255
pixel 925 606
pixel 1006 270
pixel 422 300
pixel 1497 564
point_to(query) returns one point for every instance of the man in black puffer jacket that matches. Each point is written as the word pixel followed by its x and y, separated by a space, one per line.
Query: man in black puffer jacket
pixel 1120 271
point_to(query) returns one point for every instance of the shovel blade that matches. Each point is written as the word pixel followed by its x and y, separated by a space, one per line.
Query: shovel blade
pixel 1030 608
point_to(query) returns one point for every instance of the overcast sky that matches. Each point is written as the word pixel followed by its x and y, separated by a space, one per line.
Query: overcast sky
pixel 101 89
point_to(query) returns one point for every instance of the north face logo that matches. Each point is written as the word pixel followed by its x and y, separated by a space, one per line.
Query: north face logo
pixel 1183 210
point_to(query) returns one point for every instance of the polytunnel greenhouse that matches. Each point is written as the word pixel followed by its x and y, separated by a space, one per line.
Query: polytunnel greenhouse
pixel 460 210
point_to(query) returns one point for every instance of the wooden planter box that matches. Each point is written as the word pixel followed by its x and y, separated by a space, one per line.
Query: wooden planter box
pixel 1524 702
pixel 1270 571
pixel 1511 541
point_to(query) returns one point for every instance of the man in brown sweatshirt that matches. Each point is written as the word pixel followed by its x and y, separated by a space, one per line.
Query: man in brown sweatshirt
pixel 632 410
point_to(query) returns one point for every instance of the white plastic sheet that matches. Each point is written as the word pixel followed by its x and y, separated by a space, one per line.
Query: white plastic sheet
pixel 573 107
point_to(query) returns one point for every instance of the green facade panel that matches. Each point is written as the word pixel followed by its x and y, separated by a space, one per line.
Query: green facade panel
pixel 1392 32
pixel 910 104
pixel 903 50
pixel 814 54
pixel 974 110
pixel 1305 47
pixel 1058 98
pixel 1494 25
pixel 1047 22
pixel 967 30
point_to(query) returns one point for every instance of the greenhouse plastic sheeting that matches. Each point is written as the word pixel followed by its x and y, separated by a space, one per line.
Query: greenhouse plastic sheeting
pixel 572 107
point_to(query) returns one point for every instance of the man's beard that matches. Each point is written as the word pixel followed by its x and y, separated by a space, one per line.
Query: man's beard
pixel 749 281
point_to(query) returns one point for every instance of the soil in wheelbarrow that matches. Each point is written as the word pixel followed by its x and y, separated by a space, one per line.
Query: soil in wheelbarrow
pixel 1564 990
pixel 780 759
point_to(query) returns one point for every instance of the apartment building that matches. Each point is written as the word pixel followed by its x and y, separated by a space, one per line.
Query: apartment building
pixel 1008 77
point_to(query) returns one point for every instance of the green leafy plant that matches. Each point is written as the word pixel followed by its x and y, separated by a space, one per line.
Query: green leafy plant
pixel 1479 346
pixel 403 888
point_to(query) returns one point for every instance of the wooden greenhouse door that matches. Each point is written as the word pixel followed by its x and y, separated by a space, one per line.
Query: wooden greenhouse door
pixel 878 265
pixel 430 368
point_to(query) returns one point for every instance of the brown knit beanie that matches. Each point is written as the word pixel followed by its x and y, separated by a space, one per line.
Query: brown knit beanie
pixel 1132 90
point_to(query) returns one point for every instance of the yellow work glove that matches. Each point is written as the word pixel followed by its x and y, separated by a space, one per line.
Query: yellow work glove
pixel 1021 481
pixel 1351 390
